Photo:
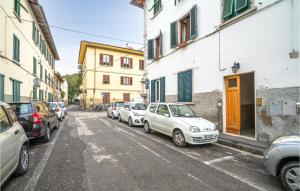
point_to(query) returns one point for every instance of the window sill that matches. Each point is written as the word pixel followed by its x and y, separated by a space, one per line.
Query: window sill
pixel 238 17
pixel 186 103
pixel 125 68
pixel 157 13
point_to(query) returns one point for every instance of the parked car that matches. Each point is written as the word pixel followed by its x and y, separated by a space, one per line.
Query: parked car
pixel 282 159
pixel 14 155
pixel 132 113
pixel 37 118
pixel 113 110
pixel 58 110
pixel 63 106
pixel 179 122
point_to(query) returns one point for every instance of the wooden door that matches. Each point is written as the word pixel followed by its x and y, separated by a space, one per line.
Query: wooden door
pixel 233 106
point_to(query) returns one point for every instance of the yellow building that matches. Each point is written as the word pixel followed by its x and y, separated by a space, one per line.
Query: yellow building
pixel 110 73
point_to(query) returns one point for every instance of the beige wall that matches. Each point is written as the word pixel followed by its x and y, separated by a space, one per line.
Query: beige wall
pixel 115 72
pixel 28 49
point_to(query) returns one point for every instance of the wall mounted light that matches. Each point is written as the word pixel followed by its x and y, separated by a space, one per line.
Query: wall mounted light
pixel 235 68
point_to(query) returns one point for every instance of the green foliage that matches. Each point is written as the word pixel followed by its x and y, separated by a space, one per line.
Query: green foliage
pixel 74 82
pixel 63 94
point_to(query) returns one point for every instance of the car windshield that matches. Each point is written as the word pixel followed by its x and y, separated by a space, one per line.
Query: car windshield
pixel 61 105
pixel 119 104
pixel 53 105
pixel 22 108
pixel 182 111
pixel 139 106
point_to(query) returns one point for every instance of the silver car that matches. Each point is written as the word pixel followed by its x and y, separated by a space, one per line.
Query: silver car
pixel 14 155
pixel 113 110
pixel 282 159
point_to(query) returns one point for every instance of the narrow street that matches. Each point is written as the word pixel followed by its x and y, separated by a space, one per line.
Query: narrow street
pixel 92 152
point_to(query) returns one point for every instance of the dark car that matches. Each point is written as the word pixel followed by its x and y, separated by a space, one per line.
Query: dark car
pixel 37 118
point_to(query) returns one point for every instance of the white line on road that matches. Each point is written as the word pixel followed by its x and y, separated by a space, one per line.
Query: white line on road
pixel 244 180
pixel 40 168
pixel 218 160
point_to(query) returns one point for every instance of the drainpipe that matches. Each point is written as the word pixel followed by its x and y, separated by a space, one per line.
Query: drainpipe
pixel 94 91
pixel 294 54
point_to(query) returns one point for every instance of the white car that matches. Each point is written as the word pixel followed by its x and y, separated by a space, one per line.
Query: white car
pixel 58 110
pixel 133 113
pixel 179 122
pixel 14 145
pixel 113 110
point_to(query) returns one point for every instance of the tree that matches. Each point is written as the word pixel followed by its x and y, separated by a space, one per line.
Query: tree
pixel 74 83
pixel 63 94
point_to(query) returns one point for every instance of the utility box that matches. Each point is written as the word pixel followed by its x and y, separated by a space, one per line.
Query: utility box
pixel 289 107
pixel 275 107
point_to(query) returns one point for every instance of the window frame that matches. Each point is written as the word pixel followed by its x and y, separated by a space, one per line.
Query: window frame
pixel 106 79
pixel 8 119
pixel 163 114
pixel 16 49
pixel 234 11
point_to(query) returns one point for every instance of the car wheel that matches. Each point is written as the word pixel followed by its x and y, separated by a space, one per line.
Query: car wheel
pixel 147 127
pixel 23 163
pixel 119 118
pixel 46 138
pixel 130 124
pixel 290 176
pixel 178 139
pixel 113 116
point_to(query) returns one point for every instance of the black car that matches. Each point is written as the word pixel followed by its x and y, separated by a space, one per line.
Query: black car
pixel 37 118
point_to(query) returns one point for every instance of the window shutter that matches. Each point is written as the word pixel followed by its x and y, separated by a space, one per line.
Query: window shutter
pixel 180 87
pixel 193 20
pixel 130 62
pixel 121 80
pixel 153 90
pixel 34 65
pixel 122 61
pixel 227 9
pixel 162 90
pixel 160 44
pixel 1 87
pixel 18 50
pixel 17 7
pixel 101 59
pixel 241 5
pixel 188 86
pixel 130 80
pixel 111 60
pixel 41 71
pixel 174 34
pixel 33 32
pixel 150 49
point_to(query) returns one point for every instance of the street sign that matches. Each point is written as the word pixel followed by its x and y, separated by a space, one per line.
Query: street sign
pixel 147 84
pixel 102 94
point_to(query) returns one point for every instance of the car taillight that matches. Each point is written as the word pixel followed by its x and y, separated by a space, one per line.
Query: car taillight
pixel 57 109
pixel 36 118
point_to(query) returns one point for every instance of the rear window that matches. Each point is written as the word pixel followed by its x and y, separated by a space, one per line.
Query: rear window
pixel 119 104
pixel 53 105
pixel 62 105
pixel 152 108
pixel 22 108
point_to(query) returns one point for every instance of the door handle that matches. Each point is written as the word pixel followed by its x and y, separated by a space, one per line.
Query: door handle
pixel 17 132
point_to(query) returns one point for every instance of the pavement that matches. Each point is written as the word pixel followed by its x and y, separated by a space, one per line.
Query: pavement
pixel 92 152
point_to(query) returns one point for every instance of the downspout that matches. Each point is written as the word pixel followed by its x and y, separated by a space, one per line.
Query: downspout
pixel 294 54
pixel 94 91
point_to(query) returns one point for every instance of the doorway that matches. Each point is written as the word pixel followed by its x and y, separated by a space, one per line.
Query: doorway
pixel 240 105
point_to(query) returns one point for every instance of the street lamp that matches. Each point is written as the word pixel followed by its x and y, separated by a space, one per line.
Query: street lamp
pixel 235 68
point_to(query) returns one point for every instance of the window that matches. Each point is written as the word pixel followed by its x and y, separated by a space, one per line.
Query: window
pixel 34 94
pixel 181 111
pixel 141 65
pixel 126 97
pixel 35 34
pixel 41 71
pixel 163 110
pixel 126 80
pixel 126 62
pixel 231 8
pixel 155 47
pixel 16 49
pixel 41 95
pixel 158 90
pixel 152 108
pixel 105 79
pixel 1 87
pixel 4 121
pixel 106 60
pixel 16 90
pixel 187 29
pixel 17 7
pixel 46 76
pixel 11 114
pixel 185 88
pixel 156 6
pixel 106 98
pixel 34 66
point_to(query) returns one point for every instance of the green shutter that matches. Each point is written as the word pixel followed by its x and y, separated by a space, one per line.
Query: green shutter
pixel 1 87
pixel 34 93
pixel 241 5
pixel 162 89
pixel 180 90
pixel 46 76
pixel 185 88
pixel 153 90
pixel 41 71
pixel 174 34
pixel 160 44
pixel 17 7
pixel 16 49
pixel 16 90
pixel 33 32
pixel 227 9
pixel 156 6
pixel 193 20
pixel 34 66
pixel 150 49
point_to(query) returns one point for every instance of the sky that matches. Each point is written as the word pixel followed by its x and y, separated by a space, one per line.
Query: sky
pixel 113 18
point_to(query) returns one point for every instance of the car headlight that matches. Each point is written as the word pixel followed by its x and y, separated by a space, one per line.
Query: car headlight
pixel 136 114
pixel 194 129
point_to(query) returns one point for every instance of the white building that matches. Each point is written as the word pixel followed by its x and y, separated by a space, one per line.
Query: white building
pixel 27 51
pixel 235 62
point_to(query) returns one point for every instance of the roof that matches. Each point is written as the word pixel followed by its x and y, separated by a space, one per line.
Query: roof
pixel 58 76
pixel 40 16
pixel 85 44
pixel 138 3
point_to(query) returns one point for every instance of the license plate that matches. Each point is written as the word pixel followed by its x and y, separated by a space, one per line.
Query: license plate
pixel 208 137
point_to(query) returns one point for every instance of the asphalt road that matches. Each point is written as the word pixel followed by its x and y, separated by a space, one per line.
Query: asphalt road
pixel 92 152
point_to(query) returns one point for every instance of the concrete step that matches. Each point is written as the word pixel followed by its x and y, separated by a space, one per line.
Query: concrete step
pixel 242 143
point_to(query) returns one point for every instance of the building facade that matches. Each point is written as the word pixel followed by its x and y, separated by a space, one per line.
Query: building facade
pixel 58 83
pixel 110 73
pixel 65 88
pixel 234 62
pixel 27 52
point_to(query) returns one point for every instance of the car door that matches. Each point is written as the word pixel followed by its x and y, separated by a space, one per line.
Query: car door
pixel 51 115
pixel 151 116
pixel 8 144
pixel 162 120
pixel 122 112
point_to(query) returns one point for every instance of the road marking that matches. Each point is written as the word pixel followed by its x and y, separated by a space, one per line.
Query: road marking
pixel 41 145
pixel 238 150
pixel 218 160
pixel 40 167
pixel 244 180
